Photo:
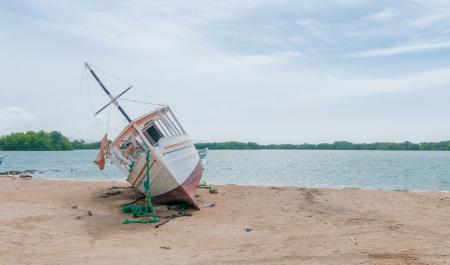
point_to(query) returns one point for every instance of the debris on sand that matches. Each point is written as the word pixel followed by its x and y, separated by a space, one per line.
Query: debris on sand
pixel 74 207
pixel 11 172
pixel 89 213
pixel 118 188
pixel 248 229
pixel 110 193
pixel 25 176
pixel 207 205
pixel 164 247
pixel 203 185
pixel 213 191
pixel 165 222
pixel 21 174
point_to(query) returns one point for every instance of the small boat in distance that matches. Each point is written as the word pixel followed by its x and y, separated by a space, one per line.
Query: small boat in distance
pixel 202 153
pixel 175 165
pixel 2 157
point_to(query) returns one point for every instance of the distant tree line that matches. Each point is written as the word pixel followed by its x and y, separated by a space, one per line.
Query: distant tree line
pixel 42 141
pixel 340 145
pixel 55 141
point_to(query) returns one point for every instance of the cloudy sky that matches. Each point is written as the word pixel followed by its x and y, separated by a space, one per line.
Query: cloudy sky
pixel 266 71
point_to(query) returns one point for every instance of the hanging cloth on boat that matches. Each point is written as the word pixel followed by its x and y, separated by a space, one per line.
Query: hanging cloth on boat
pixel 104 151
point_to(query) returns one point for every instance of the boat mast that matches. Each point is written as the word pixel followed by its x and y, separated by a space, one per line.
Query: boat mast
pixel 113 99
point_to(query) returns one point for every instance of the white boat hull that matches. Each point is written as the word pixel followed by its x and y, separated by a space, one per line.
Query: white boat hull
pixel 175 171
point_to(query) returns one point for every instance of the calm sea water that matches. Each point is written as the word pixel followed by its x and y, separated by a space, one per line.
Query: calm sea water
pixel 403 170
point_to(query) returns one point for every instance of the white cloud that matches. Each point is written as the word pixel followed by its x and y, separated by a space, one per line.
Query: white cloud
pixel 433 79
pixel 429 20
pixel 232 61
pixel 14 119
pixel 387 13
pixel 294 88
pixel 434 17
pixel 399 50
pixel 314 28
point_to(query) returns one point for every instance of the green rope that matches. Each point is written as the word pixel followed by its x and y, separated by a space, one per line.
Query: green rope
pixel 143 210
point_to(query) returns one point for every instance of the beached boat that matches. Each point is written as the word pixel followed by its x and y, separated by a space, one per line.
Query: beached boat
pixel 175 165
pixel 2 157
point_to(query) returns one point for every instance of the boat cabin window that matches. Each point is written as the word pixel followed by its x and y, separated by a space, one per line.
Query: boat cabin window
pixel 153 134
pixel 133 147
pixel 165 126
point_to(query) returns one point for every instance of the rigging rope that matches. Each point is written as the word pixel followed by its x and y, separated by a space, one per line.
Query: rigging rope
pixel 143 210
pixel 129 84
pixel 107 124
pixel 113 76
pixel 89 92
pixel 148 95
pixel 138 101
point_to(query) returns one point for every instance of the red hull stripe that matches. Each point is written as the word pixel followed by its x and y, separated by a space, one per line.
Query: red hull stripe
pixel 185 192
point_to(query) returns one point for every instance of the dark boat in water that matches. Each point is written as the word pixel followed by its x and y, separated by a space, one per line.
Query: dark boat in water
pixel 2 157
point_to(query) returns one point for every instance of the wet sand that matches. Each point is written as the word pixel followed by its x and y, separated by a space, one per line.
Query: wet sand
pixel 47 222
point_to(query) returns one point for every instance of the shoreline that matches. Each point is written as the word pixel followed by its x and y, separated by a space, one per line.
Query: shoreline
pixel 244 185
pixel 69 222
pixel 262 149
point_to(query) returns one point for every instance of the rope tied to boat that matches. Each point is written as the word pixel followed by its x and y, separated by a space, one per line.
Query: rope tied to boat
pixel 147 211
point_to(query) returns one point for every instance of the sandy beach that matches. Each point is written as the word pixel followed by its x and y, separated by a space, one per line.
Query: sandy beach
pixel 75 222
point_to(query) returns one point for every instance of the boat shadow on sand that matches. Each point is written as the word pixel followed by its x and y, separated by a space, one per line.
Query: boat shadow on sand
pixel 108 203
